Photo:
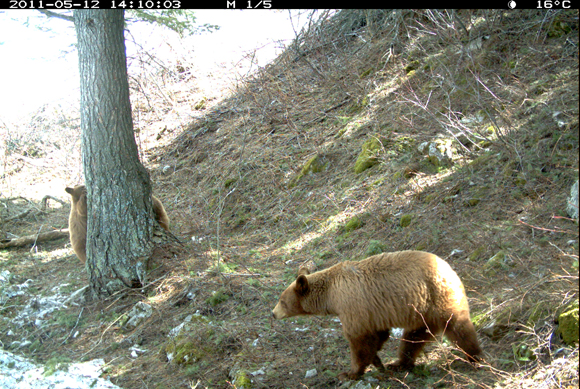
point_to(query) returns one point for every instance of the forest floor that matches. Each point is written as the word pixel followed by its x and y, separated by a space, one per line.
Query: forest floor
pixel 259 177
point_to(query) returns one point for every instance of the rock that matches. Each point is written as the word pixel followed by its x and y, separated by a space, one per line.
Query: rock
pixel 368 156
pixel 315 164
pixel 140 312
pixel 573 202
pixel 568 324
pixel 311 373
pixel 439 151
pixel 362 385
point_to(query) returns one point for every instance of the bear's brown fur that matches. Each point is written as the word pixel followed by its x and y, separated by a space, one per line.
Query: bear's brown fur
pixel 77 221
pixel 413 290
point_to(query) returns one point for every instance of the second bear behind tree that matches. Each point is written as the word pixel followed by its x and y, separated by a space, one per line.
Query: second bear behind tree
pixel 413 290
pixel 77 221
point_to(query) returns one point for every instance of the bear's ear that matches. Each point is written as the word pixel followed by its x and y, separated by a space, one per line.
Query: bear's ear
pixel 69 190
pixel 302 285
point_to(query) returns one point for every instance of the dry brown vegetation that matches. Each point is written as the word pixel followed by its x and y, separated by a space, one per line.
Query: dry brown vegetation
pixel 502 86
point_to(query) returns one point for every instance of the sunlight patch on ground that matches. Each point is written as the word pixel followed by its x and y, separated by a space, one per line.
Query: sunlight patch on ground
pixel 298 244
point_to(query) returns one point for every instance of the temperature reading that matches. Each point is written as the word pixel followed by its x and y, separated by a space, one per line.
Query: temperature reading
pixel 547 4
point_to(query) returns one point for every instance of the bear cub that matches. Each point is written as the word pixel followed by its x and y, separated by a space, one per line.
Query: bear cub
pixel 77 221
pixel 413 290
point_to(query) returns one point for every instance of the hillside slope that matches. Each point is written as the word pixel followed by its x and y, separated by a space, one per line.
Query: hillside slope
pixel 450 132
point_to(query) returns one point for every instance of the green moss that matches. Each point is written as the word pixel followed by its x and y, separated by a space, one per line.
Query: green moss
pixel 368 156
pixel 366 73
pixel 56 363
pixel 315 164
pixel 242 380
pixel 412 66
pixel 406 220
pixel 495 263
pixel 353 224
pixel 217 297
pixel 200 104
pixel 522 352
pixel 559 29
pixel 568 324
pixel 183 350
pixel 229 182
pixel 375 247
pixel 477 196
pixel 477 253
pixel 340 133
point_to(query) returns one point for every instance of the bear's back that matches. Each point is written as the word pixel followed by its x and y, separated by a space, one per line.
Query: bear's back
pixel 397 289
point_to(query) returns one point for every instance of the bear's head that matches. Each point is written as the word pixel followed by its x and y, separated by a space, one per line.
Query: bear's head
pixel 292 300
pixel 79 199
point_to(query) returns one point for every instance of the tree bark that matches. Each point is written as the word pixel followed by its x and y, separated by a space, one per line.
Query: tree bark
pixel 120 224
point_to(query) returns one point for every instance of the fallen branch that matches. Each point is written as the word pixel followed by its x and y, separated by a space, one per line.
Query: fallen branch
pixel 548 229
pixel 45 199
pixel 32 239
pixel 19 216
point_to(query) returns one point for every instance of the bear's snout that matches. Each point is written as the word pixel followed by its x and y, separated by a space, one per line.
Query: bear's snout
pixel 278 312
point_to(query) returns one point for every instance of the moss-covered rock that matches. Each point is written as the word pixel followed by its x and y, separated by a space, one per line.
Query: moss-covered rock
pixel 315 164
pixel 183 350
pixel 242 380
pixel 568 324
pixel 368 156
pixel 353 224
pixel 406 220
pixel 439 151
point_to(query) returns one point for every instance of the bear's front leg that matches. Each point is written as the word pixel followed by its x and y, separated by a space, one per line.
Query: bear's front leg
pixel 363 352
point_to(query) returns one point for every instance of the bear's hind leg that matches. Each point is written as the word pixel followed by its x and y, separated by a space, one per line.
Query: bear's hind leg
pixel 462 333
pixel 411 345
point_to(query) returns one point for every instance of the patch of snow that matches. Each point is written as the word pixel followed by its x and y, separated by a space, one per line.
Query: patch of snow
pixel 18 372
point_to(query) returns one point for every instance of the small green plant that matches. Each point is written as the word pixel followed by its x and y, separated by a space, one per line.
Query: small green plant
pixel 56 363
pixel 217 297
pixel 375 247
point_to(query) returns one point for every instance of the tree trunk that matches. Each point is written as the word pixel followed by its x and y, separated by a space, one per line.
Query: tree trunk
pixel 120 223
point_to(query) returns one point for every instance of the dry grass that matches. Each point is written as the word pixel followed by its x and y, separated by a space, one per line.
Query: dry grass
pixel 222 167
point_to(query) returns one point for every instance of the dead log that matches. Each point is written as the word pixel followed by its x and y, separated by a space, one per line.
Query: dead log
pixel 33 239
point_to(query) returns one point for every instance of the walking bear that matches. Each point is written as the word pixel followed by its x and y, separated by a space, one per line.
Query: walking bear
pixel 77 221
pixel 413 290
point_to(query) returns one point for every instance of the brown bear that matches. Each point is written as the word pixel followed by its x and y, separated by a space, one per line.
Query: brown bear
pixel 77 221
pixel 413 290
